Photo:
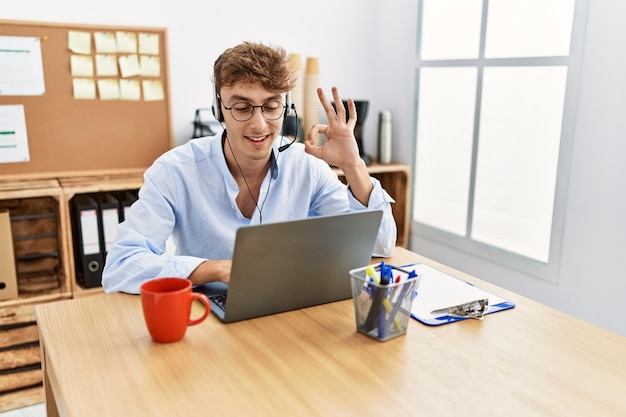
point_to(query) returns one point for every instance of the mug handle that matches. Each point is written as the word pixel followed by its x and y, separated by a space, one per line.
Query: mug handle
pixel 207 307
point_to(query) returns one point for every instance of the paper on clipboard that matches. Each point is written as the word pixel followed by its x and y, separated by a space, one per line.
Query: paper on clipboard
pixel 439 290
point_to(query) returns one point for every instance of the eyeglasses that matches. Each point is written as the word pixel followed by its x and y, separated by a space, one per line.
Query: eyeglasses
pixel 242 112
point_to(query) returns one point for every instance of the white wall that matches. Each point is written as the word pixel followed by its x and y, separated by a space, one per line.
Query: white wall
pixel 338 33
pixel 367 48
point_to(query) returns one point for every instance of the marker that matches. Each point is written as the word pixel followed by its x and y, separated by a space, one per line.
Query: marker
pixel 394 312
pixel 381 294
pixel 381 299
pixel 371 272
pixel 373 278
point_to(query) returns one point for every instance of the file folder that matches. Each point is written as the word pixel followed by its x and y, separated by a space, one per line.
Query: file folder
pixel 126 199
pixel 108 219
pixel 8 275
pixel 439 291
pixel 88 257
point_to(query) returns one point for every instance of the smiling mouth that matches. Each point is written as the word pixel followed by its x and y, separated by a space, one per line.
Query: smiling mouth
pixel 257 139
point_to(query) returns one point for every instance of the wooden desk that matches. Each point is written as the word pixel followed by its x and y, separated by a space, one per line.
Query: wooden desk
pixel 530 361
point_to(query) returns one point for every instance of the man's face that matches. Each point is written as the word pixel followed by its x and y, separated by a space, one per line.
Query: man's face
pixel 253 138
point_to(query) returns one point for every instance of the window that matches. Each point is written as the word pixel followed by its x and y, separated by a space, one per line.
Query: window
pixel 496 93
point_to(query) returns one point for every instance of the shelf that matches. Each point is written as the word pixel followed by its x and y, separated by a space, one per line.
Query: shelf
pixel 40 233
pixel 94 183
pixel 396 180
pixel 37 214
pixel 100 181
pixel 54 195
pixel 39 210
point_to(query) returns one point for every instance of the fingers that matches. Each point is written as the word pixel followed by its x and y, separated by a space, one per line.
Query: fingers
pixel 310 146
pixel 338 112
pixel 316 130
pixel 352 111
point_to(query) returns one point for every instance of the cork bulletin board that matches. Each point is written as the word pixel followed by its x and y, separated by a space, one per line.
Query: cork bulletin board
pixel 67 132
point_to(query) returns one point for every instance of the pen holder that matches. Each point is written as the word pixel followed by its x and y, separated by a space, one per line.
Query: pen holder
pixel 383 310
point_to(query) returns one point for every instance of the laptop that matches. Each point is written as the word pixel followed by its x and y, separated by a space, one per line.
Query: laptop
pixel 285 266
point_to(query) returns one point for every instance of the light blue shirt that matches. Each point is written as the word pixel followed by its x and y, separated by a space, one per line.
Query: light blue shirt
pixel 189 194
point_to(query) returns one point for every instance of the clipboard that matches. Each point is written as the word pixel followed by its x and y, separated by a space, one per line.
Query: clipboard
pixel 438 290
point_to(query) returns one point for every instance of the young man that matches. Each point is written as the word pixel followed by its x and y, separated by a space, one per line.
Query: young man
pixel 201 192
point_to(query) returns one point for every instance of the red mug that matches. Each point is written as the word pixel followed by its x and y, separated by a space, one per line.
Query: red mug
pixel 166 306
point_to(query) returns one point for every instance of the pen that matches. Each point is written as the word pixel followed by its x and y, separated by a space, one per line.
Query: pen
pixel 394 312
pixel 380 294
pixel 381 297
pixel 382 268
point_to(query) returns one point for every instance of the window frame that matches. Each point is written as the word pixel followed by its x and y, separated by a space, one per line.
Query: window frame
pixel 547 271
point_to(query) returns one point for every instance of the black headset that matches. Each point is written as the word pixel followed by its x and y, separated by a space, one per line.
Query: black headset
pixel 217 105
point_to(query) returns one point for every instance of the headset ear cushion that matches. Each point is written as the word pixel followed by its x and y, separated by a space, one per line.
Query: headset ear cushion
pixel 217 108
pixel 217 112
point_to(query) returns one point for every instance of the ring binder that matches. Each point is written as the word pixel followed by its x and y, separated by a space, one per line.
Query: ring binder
pixel 88 257
pixel 108 219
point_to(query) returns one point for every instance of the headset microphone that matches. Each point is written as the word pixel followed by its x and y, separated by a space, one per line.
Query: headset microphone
pixel 285 147
pixel 295 137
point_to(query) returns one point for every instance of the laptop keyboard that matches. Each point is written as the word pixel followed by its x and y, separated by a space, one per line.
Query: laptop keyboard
pixel 219 300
